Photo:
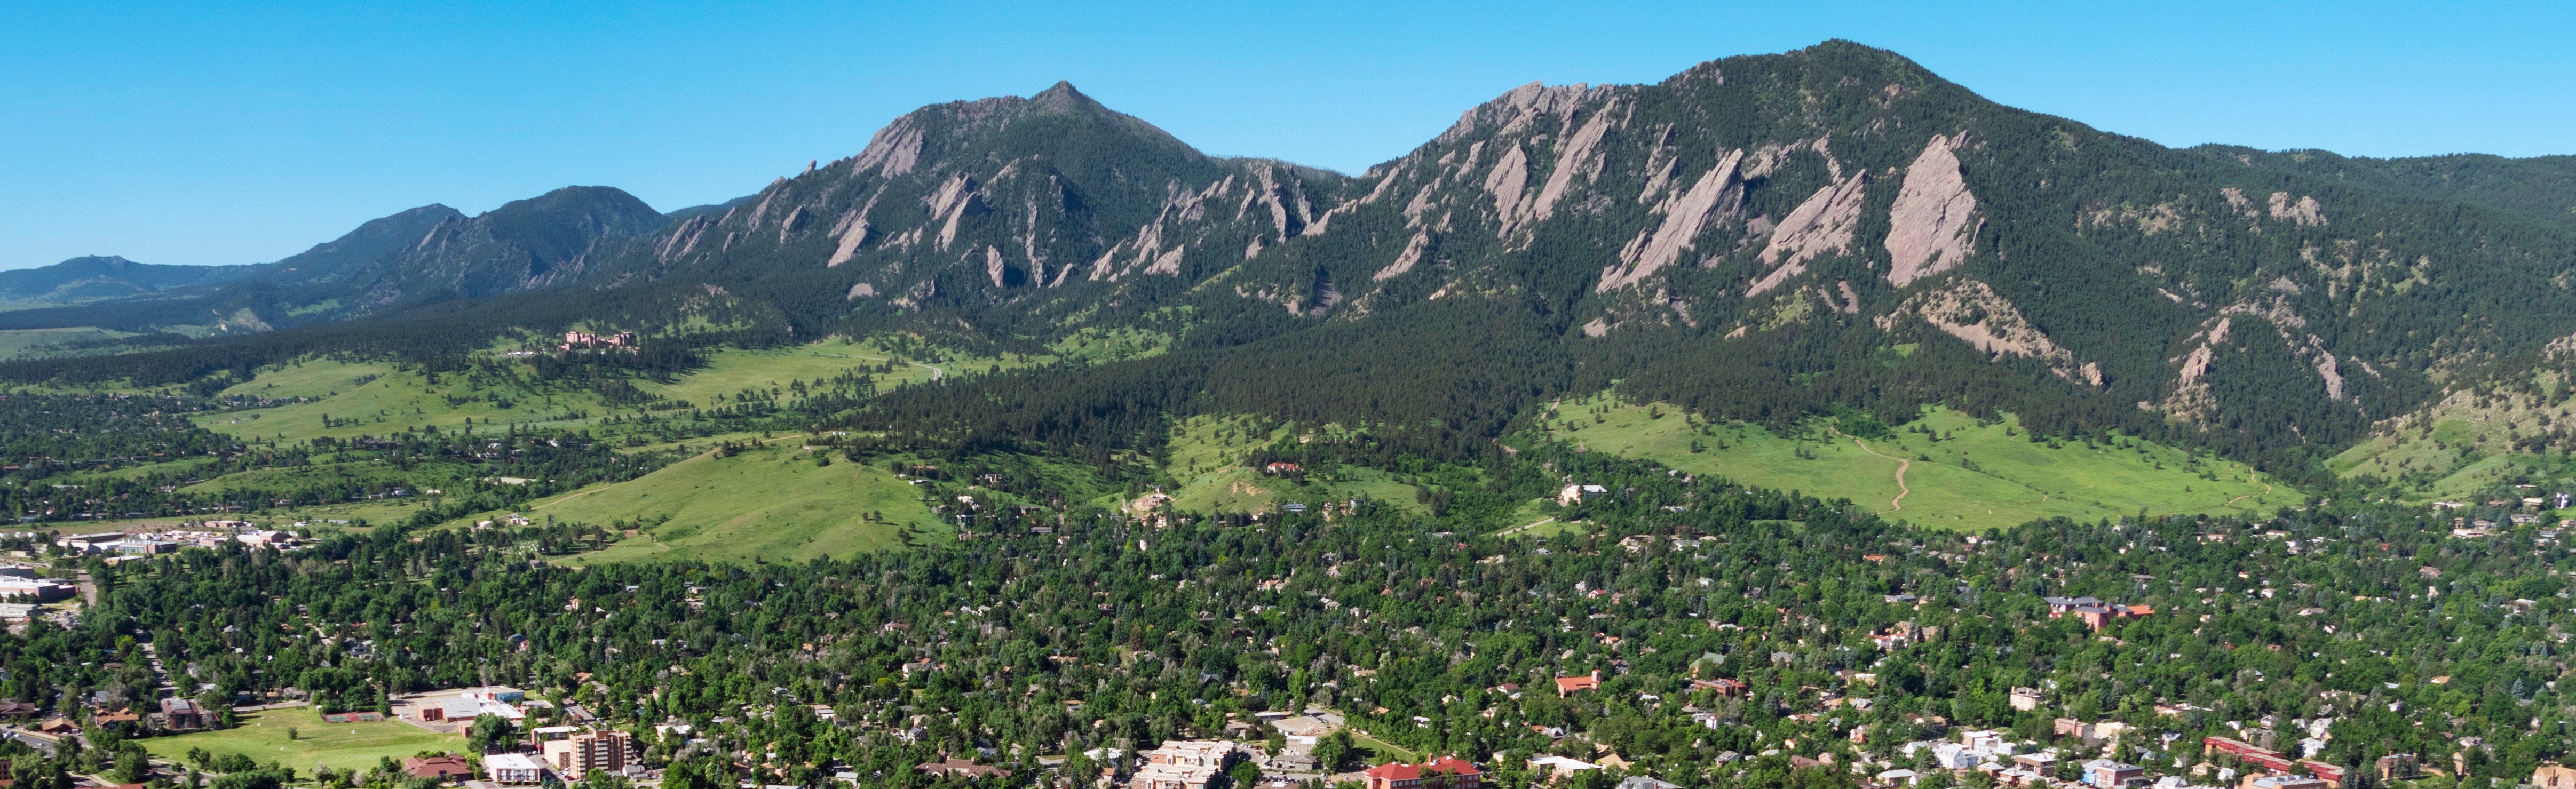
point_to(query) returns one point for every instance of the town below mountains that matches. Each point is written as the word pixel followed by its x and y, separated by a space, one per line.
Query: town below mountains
pixel 1802 421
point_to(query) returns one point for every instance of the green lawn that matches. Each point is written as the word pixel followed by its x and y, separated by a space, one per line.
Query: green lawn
pixel 1959 474
pixel 1381 751
pixel 771 503
pixel 342 746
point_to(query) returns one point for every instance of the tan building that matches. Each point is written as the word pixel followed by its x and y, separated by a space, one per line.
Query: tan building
pixel 1185 764
pixel 573 756
pixel 2554 776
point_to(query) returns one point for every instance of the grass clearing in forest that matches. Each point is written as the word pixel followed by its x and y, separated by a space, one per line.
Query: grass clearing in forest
pixel 731 370
pixel 371 398
pixel 1959 474
pixel 769 503
pixel 2467 446
pixel 1208 454
pixel 343 746
pixel 16 343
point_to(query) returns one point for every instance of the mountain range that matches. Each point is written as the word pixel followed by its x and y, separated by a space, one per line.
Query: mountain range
pixel 1758 237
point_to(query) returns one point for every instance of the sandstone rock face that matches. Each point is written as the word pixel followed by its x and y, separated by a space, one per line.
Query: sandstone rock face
pixel 2305 211
pixel 1718 192
pixel 1821 225
pixel 1971 311
pixel 1932 226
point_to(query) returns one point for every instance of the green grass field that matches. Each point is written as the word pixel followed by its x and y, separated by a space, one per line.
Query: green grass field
pixel 770 503
pixel 368 398
pixel 1208 453
pixel 732 370
pixel 343 746
pixel 2463 448
pixel 371 398
pixel 1959 474
pixel 16 343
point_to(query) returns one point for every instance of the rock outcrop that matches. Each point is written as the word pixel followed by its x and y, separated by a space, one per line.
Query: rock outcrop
pixel 1933 225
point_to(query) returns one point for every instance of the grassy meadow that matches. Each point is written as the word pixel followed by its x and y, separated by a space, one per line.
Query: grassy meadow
pixel 772 503
pixel 1959 473
pixel 1208 452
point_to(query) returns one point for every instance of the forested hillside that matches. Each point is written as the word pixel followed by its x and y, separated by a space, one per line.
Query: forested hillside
pixel 1763 238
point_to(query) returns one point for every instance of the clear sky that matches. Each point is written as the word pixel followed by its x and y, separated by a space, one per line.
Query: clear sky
pixel 234 132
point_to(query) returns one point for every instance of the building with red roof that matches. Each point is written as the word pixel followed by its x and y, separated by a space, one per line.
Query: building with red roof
pixel 1447 772
pixel 1568 686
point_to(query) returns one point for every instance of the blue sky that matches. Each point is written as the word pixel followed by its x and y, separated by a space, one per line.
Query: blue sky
pixel 243 132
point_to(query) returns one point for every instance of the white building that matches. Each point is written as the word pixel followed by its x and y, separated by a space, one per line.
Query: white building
pixel 513 768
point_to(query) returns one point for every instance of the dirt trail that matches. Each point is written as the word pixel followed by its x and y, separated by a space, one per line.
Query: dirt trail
pixel 1896 504
pixel 2267 490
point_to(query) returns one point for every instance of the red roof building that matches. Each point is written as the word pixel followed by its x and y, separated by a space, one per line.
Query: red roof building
pixel 438 768
pixel 1447 772
pixel 1568 686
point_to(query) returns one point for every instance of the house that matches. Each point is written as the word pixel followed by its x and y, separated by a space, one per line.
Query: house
pixel 574 756
pixel 2397 767
pixel 1898 776
pixel 1986 742
pixel 1575 494
pixel 1447 772
pixel 960 767
pixel 2554 776
pixel 182 714
pixel 2284 782
pixel 2095 613
pixel 1568 686
pixel 1643 782
pixel 2058 606
pixel 2025 699
pixel 1282 469
pixel 1560 766
pixel 1723 686
pixel 2108 774
pixel 438 768
pixel 513 768
pixel 16 710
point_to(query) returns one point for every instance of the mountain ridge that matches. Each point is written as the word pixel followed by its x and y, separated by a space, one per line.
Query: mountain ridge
pixel 1754 237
